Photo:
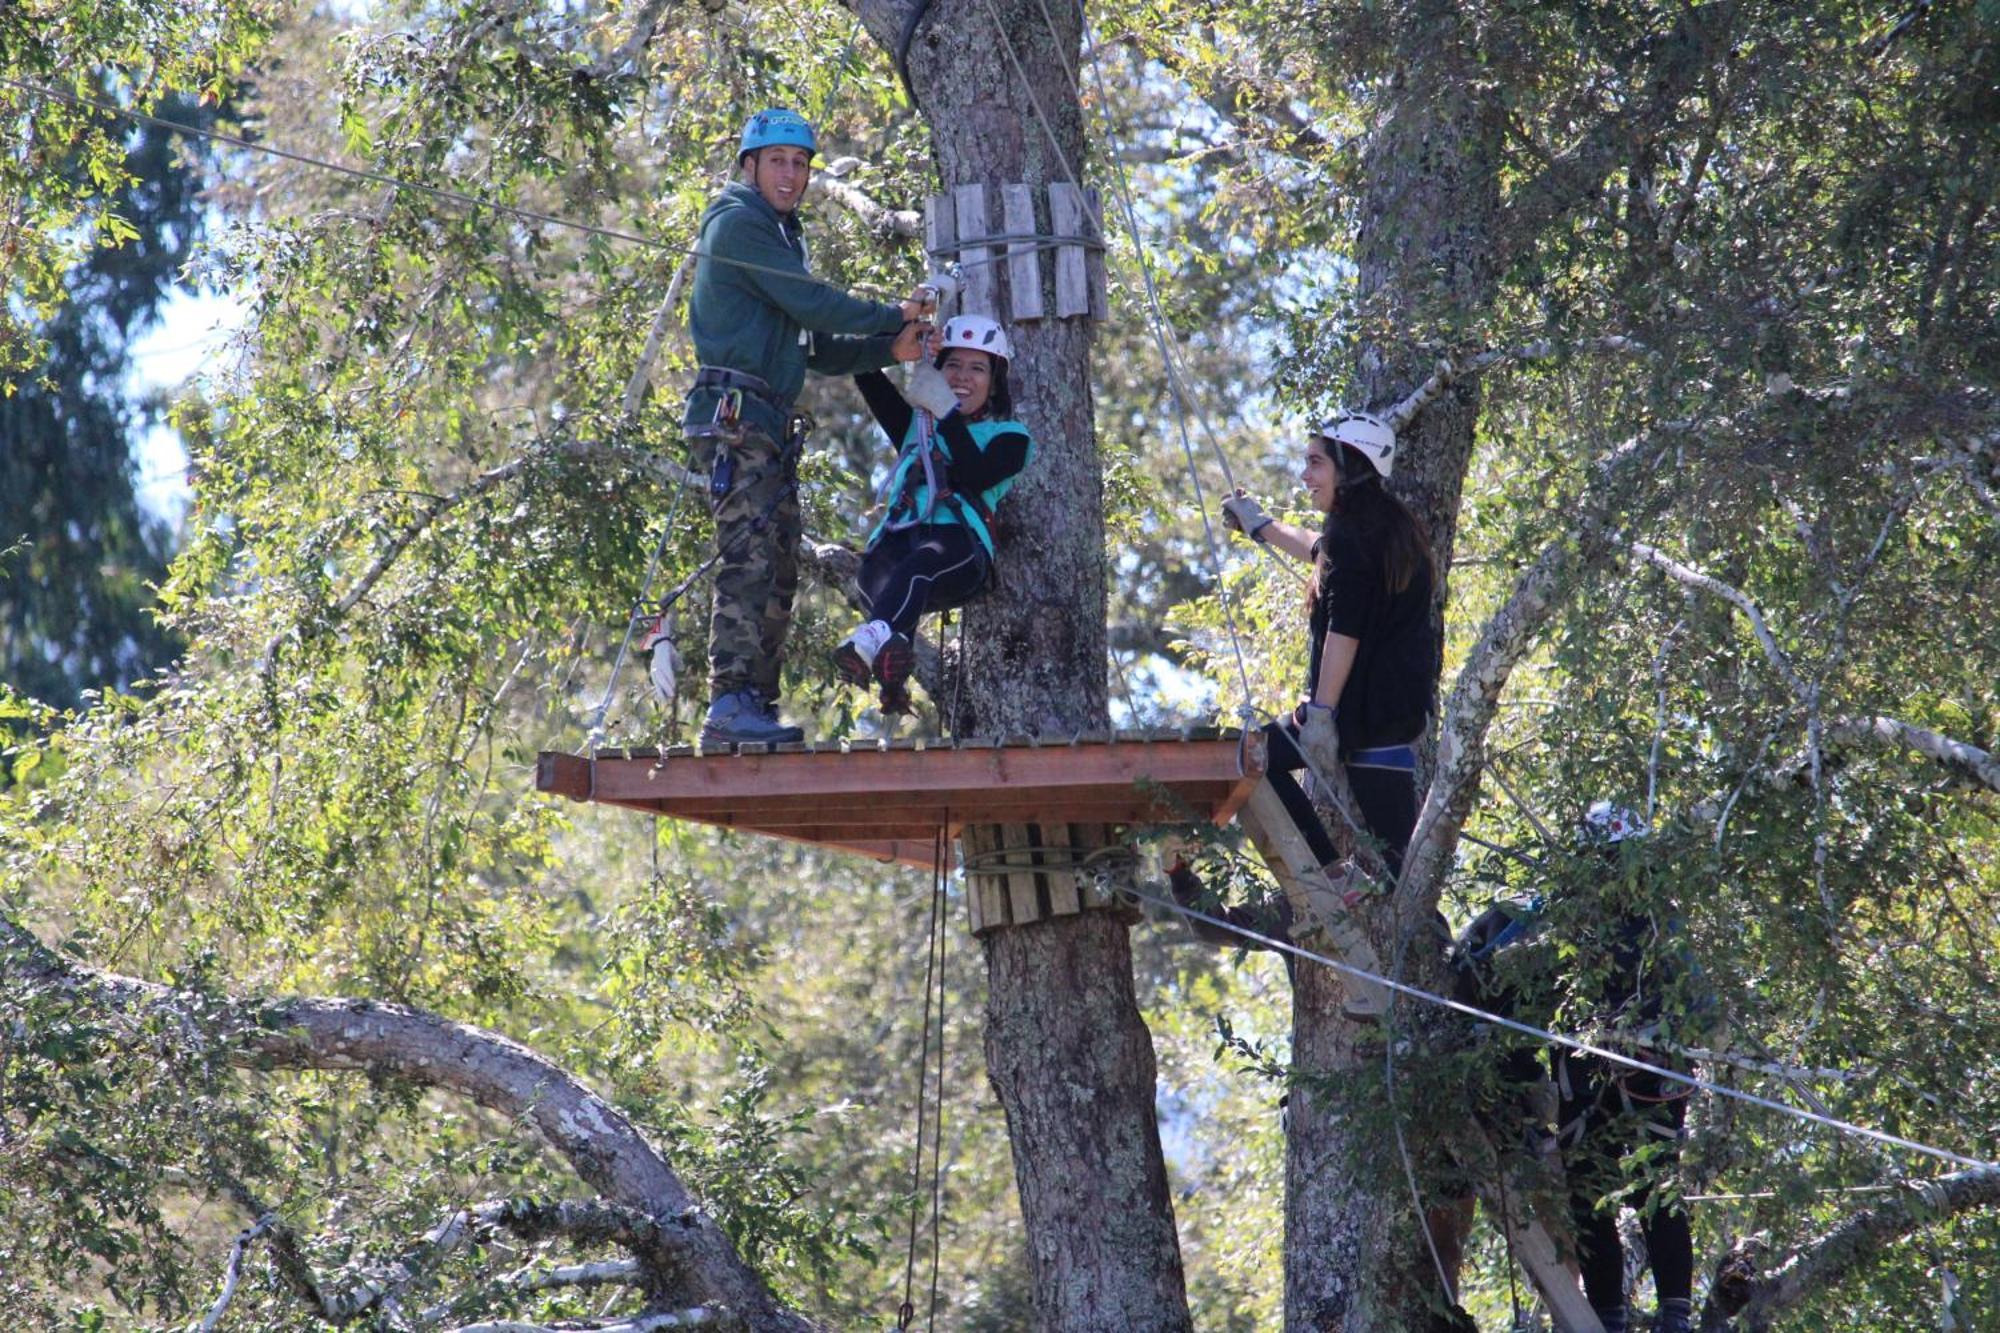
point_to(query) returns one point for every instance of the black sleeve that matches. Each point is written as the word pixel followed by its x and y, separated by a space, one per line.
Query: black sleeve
pixel 891 412
pixel 1349 584
pixel 974 469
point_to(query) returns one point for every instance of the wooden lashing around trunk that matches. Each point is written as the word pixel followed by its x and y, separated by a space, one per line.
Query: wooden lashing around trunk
pixel 1018 874
pixel 994 231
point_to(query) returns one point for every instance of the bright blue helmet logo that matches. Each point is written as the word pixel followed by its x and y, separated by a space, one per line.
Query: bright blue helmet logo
pixel 774 127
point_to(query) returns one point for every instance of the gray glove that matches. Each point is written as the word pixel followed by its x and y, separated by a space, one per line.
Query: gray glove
pixel 1243 513
pixel 928 390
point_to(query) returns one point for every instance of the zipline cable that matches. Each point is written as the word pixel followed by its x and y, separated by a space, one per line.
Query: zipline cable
pixel 1096 859
pixel 458 197
pixel 1692 1081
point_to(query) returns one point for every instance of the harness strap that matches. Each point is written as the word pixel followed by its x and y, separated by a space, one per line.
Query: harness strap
pixel 1399 758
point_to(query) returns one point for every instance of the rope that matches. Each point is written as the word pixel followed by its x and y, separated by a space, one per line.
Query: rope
pixel 903 40
pixel 1693 1081
pixel 439 192
pixel 1157 319
pixel 934 940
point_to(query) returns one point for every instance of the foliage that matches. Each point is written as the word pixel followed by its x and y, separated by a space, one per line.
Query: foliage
pixel 423 512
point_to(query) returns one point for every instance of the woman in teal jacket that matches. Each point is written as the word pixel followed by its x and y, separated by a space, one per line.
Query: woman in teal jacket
pixel 960 454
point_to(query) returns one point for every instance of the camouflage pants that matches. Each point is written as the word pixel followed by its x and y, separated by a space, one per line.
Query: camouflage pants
pixel 757 531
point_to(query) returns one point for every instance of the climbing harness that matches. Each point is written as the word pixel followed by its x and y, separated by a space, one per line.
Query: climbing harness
pixel 799 430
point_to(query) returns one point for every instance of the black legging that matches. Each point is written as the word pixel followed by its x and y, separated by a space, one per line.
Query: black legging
pixel 1604 1117
pixel 1387 799
pixel 932 567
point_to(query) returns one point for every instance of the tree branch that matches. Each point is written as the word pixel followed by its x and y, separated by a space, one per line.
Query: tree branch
pixel 1506 639
pixel 644 1202
pixel 1688 576
pixel 898 223
pixel 1681 57
pixel 1757 1302
pixel 1968 761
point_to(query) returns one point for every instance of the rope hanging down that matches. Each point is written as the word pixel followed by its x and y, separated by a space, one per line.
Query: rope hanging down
pixel 935 936
pixel 1158 323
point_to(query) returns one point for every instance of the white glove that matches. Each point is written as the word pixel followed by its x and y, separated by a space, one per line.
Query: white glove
pixel 942 286
pixel 1243 513
pixel 665 672
pixel 666 663
pixel 928 389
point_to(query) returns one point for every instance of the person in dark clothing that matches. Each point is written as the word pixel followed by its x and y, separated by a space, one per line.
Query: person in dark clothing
pixel 960 453
pixel 1609 1111
pixel 1373 652
pixel 1605 1111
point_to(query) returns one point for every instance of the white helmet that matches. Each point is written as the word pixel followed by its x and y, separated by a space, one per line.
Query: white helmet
pixel 1365 432
pixel 977 332
pixel 1605 824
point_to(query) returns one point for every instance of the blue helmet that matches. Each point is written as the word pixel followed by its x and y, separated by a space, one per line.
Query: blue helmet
pixel 775 126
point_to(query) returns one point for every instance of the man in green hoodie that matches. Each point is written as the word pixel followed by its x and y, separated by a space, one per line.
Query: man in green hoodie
pixel 759 320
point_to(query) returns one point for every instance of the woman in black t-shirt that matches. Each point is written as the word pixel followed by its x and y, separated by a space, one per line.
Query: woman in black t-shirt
pixel 1374 652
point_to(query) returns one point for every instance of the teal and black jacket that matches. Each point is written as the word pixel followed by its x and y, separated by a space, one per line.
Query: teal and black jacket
pixel 977 461
pixel 755 321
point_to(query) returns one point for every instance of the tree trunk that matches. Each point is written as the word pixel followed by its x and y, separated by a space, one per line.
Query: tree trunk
pixel 1066 1049
pixel 1355 1259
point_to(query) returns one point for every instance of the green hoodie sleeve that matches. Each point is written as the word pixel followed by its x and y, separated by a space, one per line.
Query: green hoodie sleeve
pixel 809 303
pixel 852 356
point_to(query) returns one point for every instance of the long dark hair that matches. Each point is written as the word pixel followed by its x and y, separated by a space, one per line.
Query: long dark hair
pixel 1377 521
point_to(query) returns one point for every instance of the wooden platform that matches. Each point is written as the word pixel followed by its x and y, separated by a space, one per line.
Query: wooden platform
pixel 889 801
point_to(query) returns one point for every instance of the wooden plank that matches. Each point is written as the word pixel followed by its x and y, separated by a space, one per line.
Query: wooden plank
pixel 1053 768
pixel 971 843
pixel 1255 749
pixel 1291 861
pixel 563 774
pixel 981 295
pixel 1101 805
pixel 1023 904
pixel 940 232
pixel 1553 1277
pixel 1063 897
pixel 1066 218
pixel 1024 258
pixel 1100 294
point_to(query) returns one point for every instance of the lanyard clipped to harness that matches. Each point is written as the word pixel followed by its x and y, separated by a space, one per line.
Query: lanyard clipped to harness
pixel 926 453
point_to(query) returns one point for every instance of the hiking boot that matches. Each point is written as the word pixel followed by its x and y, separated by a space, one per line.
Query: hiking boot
pixel 896 701
pixel 855 657
pixel 742 718
pixel 894 661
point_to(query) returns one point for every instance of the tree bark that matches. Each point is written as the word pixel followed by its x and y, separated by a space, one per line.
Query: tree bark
pixel 1066 1049
pixel 1425 272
